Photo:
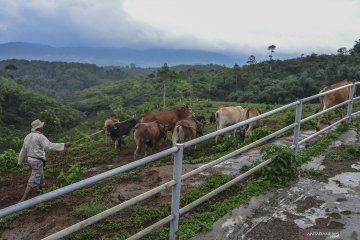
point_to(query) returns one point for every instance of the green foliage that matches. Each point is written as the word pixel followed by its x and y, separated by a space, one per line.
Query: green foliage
pixel 313 172
pixel 52 121
pixel 346 152
pixel 283 168
pixel 83 235
pixel 91 208
pixel 74 174
pixel 4 221
pixel 213 182
pixel 226 142
pixel 8 160
pixel 258 133
pixel 289 118
pixel 117 106
pixel 320 146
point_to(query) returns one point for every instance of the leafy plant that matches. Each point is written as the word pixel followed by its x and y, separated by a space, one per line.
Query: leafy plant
pixel 258 133
pixel 225 143
pixel 74 174
pixel 8 160
pixel 283 168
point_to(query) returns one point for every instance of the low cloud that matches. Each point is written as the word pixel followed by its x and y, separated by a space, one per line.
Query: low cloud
pixel 305 26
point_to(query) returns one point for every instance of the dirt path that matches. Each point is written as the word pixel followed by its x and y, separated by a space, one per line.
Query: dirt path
pixel 325 204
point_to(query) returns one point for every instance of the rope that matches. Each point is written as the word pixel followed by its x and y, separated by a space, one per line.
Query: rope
pixel 87 136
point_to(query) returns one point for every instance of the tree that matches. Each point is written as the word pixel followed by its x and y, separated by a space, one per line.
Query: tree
pixel 342 51
pixel 163 74
pixel 356 49
pixel 271 48
pixel 184 88
pixel 251 60
pixel 236 73
pixel 52 122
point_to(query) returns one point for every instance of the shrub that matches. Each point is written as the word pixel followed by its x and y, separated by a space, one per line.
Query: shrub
pixel 74 174
pixel 8 160
pixel 283 168
pixel 258 133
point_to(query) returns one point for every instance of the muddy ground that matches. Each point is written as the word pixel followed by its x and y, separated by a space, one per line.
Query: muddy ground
pixel 326 203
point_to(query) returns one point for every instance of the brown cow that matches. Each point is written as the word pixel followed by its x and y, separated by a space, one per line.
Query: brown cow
pixel 334 98
pixel 148 137
pixel 169 117
pixel 250 113
pixel 188 129
pixel 226 116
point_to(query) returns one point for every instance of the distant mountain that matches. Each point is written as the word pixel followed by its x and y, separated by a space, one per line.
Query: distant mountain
pixel 116 56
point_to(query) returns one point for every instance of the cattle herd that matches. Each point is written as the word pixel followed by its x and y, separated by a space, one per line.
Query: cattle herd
pixel 149 132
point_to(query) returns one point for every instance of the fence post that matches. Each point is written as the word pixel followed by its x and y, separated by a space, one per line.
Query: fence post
pixel 175 202
pixel 297 127
pixel 351 97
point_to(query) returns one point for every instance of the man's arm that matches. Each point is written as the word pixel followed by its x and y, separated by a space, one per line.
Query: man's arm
pixel 51 146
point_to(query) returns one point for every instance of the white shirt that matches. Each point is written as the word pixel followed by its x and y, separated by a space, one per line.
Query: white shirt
pixel 35 144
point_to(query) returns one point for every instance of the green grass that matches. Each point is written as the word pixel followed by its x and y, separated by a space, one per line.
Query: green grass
pixel 346 153
pixel 313 173
pixel 91 208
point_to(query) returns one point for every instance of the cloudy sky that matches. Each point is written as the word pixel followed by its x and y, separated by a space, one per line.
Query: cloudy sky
pixel 247 26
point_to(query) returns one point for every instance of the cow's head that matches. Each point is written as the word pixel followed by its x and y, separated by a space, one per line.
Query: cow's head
pixel 186 109
pixel 109 129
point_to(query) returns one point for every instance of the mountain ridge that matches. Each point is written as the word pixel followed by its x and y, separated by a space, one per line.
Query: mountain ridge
pixel 153 57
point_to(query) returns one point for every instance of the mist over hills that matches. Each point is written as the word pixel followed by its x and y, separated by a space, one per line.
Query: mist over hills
pixel 116 56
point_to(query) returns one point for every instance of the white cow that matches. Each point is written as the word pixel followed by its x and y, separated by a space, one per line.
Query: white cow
pixel 226 116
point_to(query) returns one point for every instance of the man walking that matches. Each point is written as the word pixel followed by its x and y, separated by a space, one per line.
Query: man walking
pixel 33 149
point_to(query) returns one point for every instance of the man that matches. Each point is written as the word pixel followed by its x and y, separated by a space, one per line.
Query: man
pixel 33 149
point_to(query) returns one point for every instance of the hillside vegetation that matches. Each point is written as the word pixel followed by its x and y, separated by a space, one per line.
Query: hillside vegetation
pixel 63 93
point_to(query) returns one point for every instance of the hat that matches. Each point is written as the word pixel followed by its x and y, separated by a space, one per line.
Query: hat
pixel 36 124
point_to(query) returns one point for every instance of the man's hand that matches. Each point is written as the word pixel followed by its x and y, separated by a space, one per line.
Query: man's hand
pixel 68 144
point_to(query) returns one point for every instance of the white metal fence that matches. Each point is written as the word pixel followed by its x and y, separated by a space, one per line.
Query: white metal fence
pixel 175 183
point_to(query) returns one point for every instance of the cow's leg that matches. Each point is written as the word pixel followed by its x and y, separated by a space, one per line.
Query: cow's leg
pixel 136 153
pixel 247 133
pixel 116 144
pixel 220 126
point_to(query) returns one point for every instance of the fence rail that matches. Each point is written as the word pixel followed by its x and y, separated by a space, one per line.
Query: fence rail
pixel 175 184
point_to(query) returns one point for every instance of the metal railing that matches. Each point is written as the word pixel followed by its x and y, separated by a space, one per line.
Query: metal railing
pixel 175 183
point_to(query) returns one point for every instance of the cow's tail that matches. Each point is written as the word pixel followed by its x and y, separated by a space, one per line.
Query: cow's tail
pixel 176 135
pixel 135 136
pixel 247 114
pixel 132 135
